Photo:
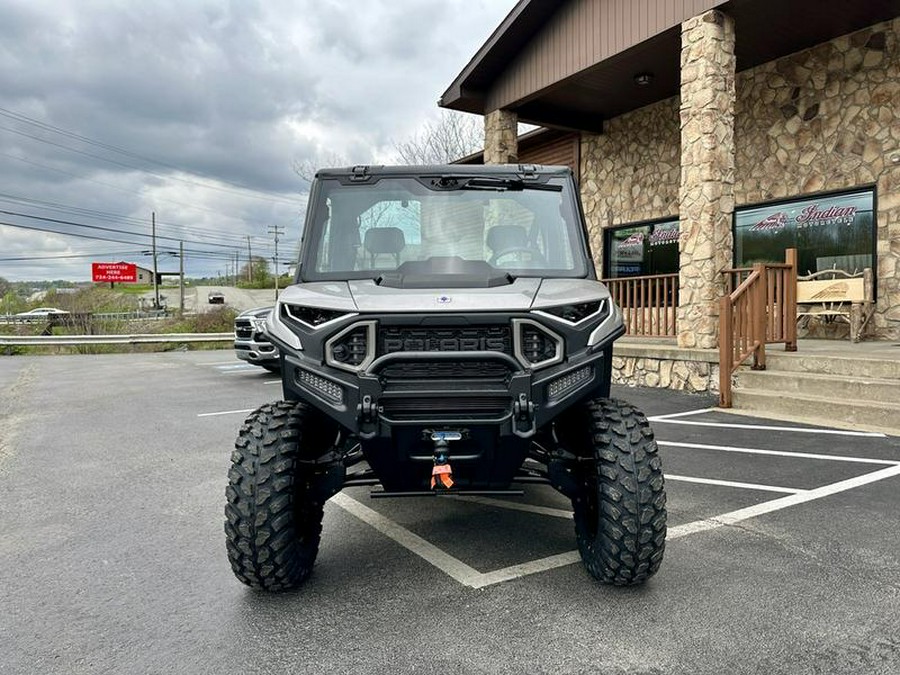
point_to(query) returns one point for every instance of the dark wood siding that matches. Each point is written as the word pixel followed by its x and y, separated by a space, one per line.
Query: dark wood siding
pixel 583 33
pixel 560 152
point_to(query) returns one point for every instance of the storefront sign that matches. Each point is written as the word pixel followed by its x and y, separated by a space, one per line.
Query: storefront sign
pixel 636 240
pixel 776 221
pixel 828 231
pixel 664 235
pixel 812 215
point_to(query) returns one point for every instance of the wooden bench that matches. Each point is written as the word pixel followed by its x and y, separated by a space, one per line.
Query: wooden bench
pixel 836 295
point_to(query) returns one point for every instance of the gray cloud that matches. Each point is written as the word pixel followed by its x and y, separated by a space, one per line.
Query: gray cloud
pixel 202 93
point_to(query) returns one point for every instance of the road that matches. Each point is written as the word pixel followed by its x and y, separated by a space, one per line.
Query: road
pixel 782 554
pixel 196 297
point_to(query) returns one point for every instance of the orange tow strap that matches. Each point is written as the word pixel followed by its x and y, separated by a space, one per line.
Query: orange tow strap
pixel 442 473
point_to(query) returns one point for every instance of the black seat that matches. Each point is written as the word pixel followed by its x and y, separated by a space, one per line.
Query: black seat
pixel 384 240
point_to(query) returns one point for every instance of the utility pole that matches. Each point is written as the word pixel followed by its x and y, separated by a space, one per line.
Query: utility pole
pixel 276 230
pixel 181 278
pixel 249 261
pixel 155 272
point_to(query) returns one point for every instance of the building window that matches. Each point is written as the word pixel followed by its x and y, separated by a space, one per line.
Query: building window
pixel 828 231
pixel 641 249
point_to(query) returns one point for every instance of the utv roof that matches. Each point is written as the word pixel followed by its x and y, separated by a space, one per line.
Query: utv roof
pixel 518 170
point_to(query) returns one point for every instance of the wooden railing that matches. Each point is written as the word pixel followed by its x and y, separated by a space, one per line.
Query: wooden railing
pixel 649 304
pixel 760 308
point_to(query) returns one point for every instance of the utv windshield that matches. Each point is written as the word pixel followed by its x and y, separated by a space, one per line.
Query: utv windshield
pixel 414 229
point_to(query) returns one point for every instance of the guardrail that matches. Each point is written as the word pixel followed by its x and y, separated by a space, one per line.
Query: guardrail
pixel 75 340
pixel 63 319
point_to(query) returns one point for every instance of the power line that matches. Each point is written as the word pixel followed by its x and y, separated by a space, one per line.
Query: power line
pixel 244 189
pixel 106 254
pixel 105 215
pixel 211 254
pixel 59 221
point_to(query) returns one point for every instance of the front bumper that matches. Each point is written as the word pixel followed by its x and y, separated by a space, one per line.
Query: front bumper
pixel 515 400
pixel 256 352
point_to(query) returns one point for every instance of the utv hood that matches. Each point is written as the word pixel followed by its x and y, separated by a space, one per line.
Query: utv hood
pixel 521 295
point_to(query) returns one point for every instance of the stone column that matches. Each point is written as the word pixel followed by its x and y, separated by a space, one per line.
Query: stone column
pixel 706 194
pixel 500 140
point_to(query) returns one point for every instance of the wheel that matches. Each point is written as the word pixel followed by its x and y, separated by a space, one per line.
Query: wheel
pixel 274 507
pixel 620 505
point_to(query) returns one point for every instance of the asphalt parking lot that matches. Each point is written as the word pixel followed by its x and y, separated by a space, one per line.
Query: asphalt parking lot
pixel 783 553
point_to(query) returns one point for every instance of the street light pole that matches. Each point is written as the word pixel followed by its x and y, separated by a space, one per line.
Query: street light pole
pixel 181 278
pixel 276 230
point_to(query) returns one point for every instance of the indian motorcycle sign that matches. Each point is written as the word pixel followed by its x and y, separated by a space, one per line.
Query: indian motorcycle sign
pixel 812 215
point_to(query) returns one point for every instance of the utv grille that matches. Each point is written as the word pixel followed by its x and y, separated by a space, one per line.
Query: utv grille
pixel 445 408
pixel 446 370
pixel 445 339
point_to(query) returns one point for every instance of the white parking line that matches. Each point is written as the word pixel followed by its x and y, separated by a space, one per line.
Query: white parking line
pixel 688 413
pixel 777 453
pixel 519 506
pixel 760 427
pixel 734 517
pixel 734 484
pixel 225 412
pixel 452 567
pixel 469 576
pixel 445 562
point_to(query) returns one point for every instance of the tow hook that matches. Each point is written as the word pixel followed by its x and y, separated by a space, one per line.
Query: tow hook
pixel 441 472
pixel 367 413
pixel 523 413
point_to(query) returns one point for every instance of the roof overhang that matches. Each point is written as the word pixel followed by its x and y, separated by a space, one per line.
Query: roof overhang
pixel 765 30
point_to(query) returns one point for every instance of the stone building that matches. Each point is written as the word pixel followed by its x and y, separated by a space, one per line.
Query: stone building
pixel 706 135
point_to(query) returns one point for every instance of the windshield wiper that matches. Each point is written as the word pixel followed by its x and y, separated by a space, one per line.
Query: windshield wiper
pixel 490 183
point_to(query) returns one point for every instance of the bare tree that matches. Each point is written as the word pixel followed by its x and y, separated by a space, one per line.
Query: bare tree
pixel 306 168
pixel 452 136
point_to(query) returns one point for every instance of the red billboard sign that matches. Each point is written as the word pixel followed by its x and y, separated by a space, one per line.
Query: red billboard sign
pixel 118 271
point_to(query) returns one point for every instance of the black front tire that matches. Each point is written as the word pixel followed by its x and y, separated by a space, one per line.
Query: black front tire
pixel 620 507
pixel 274 513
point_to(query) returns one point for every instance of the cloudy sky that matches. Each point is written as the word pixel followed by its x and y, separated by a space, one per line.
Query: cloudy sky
pixel 198 110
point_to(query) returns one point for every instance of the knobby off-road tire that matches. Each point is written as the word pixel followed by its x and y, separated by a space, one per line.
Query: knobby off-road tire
pixel 620 513
pixel 273 516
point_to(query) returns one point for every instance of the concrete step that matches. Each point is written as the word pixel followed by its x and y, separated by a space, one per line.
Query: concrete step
pixel 847 366
pixel 834 387
pixel 828 412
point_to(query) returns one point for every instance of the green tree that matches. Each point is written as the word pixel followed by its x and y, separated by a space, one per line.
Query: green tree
pixel 257 277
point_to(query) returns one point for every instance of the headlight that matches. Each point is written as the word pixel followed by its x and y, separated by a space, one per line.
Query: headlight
pixel 578 312
pixel 313 316
pixel 535 345
pixel 353 348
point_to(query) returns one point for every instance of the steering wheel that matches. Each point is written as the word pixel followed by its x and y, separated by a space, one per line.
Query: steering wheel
pixel 536 255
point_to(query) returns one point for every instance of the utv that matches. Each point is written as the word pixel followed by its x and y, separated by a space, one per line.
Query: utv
pixel 445 335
